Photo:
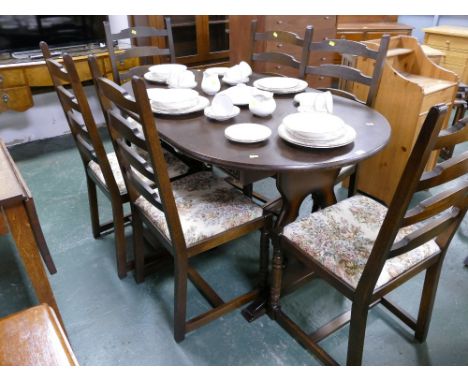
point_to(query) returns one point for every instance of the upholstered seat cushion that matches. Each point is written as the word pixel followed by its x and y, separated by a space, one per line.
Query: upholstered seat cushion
pixel 207 206
pixel 175 167
pixel 341 238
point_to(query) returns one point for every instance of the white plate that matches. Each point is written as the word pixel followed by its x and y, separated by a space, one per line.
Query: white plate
pixel 219 70
pixel 235 82
pixel 163 71
pixel 278 83
pixel 347 138
pixel 185 86
pixel 208 112
pixel 172 98
pixel 247 132
pixel 301 85
pixel 202 102
pixel 240 95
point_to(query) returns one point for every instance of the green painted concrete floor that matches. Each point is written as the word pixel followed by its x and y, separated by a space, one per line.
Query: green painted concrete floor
pixel 117 322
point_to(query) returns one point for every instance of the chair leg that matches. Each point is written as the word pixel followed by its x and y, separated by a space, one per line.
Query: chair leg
pixel 138 246
pixel 180 297
pixel 316 202
pixel 431 281
pixel 93 207
pixel 357 332
pixel 119 234
pixel 353 179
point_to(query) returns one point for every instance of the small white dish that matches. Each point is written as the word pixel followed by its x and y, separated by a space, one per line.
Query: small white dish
pixel 348 137
pixel 277 83
pixel 300 85
pixel 210 113
pixel 184 79
pixel 247 132
pixel 218 70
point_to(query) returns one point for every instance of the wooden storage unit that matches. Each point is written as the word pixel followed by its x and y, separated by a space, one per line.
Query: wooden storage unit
pixel 324 27
pixel 198 40
pixel 410 85
pixel 453 42
pixel 360 28
pixel 17 77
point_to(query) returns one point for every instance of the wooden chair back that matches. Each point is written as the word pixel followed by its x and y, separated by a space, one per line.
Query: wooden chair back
pixel 282 37
pixel 78 114
pixel 134 33
pixel 342 72
pixel 141 153
pixel 438 216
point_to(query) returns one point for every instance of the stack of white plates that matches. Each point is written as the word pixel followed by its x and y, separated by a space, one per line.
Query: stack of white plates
pixel 176 101
pixel 281 85
pixel 315 129
pixel 162 72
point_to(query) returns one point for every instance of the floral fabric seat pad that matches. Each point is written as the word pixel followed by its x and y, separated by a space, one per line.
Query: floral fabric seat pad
pixel 206 205
pixel 341 238
pixel 175 168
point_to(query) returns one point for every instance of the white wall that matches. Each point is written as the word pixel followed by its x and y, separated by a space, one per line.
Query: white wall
pixel 46 118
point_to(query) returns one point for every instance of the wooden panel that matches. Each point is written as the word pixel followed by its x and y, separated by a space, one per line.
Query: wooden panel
pixel 404 98
pixel 34 337
pixel 18 99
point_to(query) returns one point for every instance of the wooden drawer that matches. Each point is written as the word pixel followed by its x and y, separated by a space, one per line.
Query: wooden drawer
pixel 447 43
pixel 12 77
pixel 443 96
pixel 324 26
pixel 18 99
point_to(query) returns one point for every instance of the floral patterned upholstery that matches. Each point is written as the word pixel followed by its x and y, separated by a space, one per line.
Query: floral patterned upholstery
pixel 341 238
pixel 207 206
pixel 175 168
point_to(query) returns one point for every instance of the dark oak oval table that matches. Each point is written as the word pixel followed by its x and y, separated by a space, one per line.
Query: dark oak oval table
pixel 298 170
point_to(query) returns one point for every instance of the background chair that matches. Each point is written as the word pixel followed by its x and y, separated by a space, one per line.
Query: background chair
pixel 281 38
pixel 342 73
pixel 133 33
pixel 101 169
pixel 177 212
pixel 365 251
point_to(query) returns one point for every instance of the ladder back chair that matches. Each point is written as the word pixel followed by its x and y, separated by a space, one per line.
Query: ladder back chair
pixel 142 32
pixel 188 216
pixel 281 38
pixel 342 73
pixel 101 169
pixel 365 250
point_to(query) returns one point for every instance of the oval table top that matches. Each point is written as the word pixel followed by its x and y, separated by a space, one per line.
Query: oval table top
pixel 203 138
